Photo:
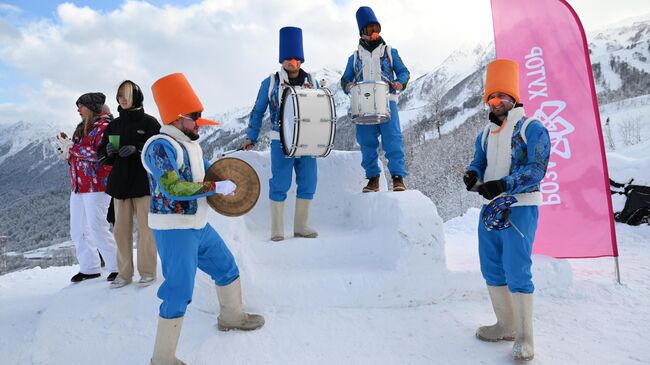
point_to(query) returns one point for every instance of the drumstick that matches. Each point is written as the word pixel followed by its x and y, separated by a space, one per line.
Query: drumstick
pixel 458 169
pixel 231 151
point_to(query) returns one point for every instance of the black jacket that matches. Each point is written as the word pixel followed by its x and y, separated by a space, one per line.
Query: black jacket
pixel 128 179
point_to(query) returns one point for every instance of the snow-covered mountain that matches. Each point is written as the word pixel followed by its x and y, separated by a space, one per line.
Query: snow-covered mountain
pixel 621 61
pixel 441 113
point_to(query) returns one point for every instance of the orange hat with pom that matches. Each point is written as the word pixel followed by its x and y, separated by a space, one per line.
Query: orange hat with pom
pixel 502 76
pixel 174 97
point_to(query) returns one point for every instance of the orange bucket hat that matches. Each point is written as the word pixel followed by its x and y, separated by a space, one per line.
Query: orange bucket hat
pixel 174 97
pixel 502 76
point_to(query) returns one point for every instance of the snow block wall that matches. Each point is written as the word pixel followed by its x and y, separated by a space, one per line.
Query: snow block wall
pixel 379 249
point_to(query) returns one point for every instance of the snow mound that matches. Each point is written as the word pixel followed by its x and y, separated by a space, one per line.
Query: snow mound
pixel 380 250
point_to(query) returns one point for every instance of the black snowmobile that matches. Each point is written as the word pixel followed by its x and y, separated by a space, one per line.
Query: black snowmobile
pixel 637 204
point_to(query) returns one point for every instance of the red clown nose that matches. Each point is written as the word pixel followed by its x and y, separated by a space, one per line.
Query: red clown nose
pixel 494 102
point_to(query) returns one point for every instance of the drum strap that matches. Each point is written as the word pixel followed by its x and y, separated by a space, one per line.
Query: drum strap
pixel 275 79
pixel 274 135
pixel 388 51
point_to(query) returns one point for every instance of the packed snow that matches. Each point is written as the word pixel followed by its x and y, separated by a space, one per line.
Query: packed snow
pixel 385 283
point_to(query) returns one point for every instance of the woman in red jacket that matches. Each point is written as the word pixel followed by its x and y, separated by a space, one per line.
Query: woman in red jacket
pixel 89 203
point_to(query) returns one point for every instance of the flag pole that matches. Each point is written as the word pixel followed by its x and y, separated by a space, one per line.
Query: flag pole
pixel 618 271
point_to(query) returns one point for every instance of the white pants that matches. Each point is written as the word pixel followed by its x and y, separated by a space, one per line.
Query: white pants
pixel 90 232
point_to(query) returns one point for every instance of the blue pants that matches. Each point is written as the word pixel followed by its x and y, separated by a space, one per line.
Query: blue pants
pixel 391 140
pixel 181 252
pixel 281 167
pixel 505 255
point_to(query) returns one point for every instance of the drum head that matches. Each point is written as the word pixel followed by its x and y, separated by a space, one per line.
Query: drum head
pixel 248 186
pixel 287 120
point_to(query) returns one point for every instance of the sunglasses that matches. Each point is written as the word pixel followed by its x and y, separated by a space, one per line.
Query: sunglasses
pixel 372 28
pixel 194 116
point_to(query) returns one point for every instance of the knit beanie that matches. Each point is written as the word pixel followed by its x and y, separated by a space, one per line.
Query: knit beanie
pixel 92 101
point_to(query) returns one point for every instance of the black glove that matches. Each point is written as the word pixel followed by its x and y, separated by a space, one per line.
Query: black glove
pixel 127 150
pixel 110 150
pixel 470 178
pixel 491 189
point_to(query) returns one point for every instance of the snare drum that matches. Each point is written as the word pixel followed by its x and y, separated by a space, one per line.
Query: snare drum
pixel 307 122
pixel 369 102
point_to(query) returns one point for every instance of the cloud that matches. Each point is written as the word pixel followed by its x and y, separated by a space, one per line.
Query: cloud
pixel 224 47
pixel 8 8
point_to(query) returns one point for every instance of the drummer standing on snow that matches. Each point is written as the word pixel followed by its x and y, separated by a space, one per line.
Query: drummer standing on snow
pixel 269 95
pixel 512 154
pixel 128 184
pixel 376 61
pixel 89 203
pixel 178 217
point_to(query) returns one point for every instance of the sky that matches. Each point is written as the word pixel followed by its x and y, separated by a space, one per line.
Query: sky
pixel 51 52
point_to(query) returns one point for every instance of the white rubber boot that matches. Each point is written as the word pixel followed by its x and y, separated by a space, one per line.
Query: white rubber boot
pixel 164 351
pixel 277 221
pixel 232 315
pixel 504 329
pixel 300 227
pixel 524 348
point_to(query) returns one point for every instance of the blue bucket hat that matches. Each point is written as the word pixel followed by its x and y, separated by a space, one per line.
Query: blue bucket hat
pixel 291 44
pixel 365 17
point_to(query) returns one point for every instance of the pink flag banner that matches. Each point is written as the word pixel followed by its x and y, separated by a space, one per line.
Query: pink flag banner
pixel 546 38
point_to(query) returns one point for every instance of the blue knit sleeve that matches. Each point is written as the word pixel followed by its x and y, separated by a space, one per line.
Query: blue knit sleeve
pixel 538 152
pixel 160 158
pixel 348 74
pixel 257 114
pixel 479 163
pixel 402 73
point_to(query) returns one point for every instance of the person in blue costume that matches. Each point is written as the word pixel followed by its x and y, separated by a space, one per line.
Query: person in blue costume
pixel 374 60
pixel 269 97
pixel 178 217
pixel 511 157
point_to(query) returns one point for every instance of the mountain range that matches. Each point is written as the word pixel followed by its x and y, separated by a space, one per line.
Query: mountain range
pixel 441 113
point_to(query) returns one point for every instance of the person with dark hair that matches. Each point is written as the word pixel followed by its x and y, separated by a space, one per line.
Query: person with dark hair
pixel 510 161
pixel 178 215
pixel 89 203
pixel 374 60
pixel 269 97
pixel 128 184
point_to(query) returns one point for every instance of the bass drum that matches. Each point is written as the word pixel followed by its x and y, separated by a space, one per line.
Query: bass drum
pixel 248 186
pixel 307 122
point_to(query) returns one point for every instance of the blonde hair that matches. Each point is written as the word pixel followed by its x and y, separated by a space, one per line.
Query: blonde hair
pixel 84 125
pixel 126 91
